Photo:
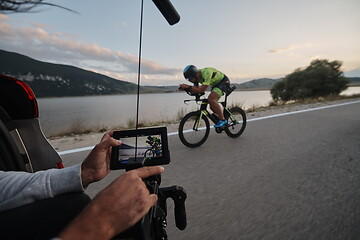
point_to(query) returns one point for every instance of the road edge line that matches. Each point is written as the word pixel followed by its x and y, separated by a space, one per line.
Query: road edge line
pixel 76 150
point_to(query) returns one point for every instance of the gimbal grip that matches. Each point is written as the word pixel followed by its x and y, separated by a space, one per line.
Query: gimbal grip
pixel 180 212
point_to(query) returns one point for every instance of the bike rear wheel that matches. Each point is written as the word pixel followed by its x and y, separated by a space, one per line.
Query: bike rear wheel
pixel 193 130
pixel 236 122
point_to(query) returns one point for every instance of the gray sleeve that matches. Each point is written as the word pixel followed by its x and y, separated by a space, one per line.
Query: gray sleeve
pixel 21 188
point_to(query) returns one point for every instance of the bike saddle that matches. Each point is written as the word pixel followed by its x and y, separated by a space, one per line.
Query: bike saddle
pixel 230 90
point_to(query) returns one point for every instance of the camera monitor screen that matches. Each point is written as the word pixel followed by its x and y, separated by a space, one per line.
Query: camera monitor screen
pixel 140 147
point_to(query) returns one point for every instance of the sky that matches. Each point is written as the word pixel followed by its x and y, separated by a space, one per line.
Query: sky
pixel 245 39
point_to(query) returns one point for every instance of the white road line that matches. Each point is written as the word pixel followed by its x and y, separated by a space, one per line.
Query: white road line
pixel 249 120
pixel 301 111
pixel 76 150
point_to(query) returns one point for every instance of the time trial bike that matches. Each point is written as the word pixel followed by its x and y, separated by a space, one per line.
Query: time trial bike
pixel 194 127
pixel 155 147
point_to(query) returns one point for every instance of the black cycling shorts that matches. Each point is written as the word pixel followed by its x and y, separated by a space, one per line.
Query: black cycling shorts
pixel 224 85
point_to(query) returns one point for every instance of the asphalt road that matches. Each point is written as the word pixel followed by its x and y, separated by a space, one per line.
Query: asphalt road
pixel 289 177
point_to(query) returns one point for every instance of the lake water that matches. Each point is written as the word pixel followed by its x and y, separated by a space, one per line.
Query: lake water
pixel 58 115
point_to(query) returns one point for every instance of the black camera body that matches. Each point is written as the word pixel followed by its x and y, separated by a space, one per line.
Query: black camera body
pixel 149 147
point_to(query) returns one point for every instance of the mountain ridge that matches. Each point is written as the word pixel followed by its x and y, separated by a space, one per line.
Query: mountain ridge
pixel 60 80
pixel 56 80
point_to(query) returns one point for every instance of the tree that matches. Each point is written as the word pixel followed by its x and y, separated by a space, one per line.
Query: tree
pixel 322 78
pixel 9 6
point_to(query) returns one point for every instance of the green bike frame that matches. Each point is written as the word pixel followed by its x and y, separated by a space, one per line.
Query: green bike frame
pixel 203 111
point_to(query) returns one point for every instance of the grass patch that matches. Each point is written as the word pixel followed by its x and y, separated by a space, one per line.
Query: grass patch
pixel 253 108
pixel 180 114
pixel 237 104
pixel 79 127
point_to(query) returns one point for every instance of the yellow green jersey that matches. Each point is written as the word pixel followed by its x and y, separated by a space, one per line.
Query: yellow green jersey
pixel 210 76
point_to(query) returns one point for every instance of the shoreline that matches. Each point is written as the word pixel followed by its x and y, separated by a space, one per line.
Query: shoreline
pixel 175 91
pixel 62 143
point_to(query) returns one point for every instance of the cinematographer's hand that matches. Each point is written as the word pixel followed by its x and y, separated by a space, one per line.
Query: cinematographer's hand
pixel 119 206
pixel 97 164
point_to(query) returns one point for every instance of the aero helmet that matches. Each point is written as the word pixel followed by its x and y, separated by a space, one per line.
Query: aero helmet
pixel 190 72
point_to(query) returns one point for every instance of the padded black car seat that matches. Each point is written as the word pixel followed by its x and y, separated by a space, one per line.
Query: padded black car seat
pixel 20 126
pixel 23 147
pixel 10 157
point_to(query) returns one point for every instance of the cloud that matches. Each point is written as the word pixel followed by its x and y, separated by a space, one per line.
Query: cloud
pixel 5 28
pixel 147 66
pixel 284 49
pixel 290 49
pixel 37 41
pixel 3 17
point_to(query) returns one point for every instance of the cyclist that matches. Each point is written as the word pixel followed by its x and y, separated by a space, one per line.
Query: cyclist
pixel 208 77
pixel 155 144
pixel 153 141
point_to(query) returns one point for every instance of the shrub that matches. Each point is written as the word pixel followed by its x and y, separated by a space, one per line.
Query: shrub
pixel 321 79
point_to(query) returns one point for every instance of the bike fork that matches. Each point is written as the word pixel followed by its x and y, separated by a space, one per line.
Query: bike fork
pixel 197 121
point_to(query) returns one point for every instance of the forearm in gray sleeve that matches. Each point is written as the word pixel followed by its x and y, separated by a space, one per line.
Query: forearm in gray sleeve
pixel 21 188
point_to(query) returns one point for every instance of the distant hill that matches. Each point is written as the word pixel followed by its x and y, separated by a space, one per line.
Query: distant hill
pixel 267 83
pixel 257 84
pixel 55 80
pixel 354 81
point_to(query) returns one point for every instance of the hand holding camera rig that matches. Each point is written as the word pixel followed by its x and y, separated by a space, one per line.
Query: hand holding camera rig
pixel 149 147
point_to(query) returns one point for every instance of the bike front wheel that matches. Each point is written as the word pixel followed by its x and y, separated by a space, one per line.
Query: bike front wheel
pixel 236 118
pixel 193 129
pixel 149 153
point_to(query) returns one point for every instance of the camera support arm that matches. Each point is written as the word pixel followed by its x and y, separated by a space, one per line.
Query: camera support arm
pixel 153 225
pixel 178 195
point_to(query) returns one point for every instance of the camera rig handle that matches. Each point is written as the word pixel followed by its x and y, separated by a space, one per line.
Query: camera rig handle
pixel 178 195
pixel 153 225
